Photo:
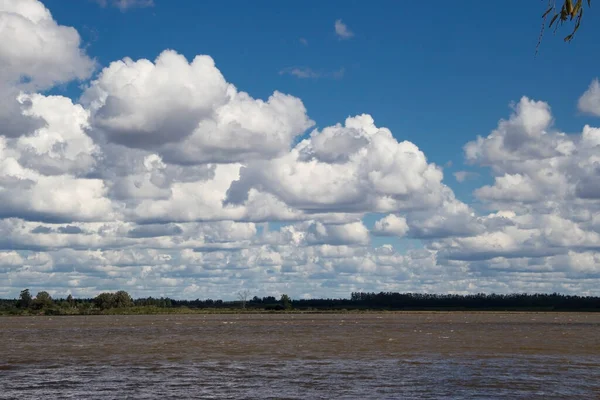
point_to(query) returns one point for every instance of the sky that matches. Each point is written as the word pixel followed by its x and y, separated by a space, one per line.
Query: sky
pixel 198 149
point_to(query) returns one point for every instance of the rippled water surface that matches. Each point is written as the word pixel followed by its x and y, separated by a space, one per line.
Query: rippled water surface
pixel 324 356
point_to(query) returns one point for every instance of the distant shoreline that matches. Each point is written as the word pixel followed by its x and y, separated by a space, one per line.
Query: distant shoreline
pixel 121 303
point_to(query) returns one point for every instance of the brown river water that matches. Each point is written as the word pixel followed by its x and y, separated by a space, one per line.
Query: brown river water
pixel 302 356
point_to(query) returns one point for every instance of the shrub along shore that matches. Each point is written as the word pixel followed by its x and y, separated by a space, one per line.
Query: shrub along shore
pixel 121 302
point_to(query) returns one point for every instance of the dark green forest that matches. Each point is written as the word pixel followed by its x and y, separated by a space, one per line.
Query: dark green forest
pixel 121 302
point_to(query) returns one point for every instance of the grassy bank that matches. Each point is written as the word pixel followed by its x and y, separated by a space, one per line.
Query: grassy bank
pixel 121 303
pixel 150 310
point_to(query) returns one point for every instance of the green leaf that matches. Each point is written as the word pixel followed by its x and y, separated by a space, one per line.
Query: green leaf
pixel 576 9
pixel 569 6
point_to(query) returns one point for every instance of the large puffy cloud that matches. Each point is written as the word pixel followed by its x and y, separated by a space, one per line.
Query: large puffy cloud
pixel 13 120
pixel 145 104
pixel 189 113
pixel 532 163
pixel 524 136
pixel 43 175
pixel 35 53
pixel 355 167
pixel 61 145
pixel 27 194
pixel 172 193
pixel 545 194
pixel 359 168
pixel 35 50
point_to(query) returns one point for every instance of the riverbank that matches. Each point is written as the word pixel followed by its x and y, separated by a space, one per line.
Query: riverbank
pixel 121 303
pixel 237 311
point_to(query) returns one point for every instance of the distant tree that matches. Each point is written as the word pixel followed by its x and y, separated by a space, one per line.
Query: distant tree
pixel 42 300
pixel 122 299
pixel 286 302
pixel 104 301
pixel 25 299
pixel 243 297
pixel 70 300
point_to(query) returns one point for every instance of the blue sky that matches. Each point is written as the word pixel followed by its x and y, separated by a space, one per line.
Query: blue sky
pixel 437 76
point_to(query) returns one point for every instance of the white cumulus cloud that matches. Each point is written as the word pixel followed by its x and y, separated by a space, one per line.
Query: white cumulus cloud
pixel 391 225
pixel 342 30
pixel 35 53
pixel 589 102
pixel 189 113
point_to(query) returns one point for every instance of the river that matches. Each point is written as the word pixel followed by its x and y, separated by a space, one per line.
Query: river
pixel 458 355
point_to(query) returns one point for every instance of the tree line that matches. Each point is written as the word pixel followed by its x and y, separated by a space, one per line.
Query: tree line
pixel 122 302
pixel 479 301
